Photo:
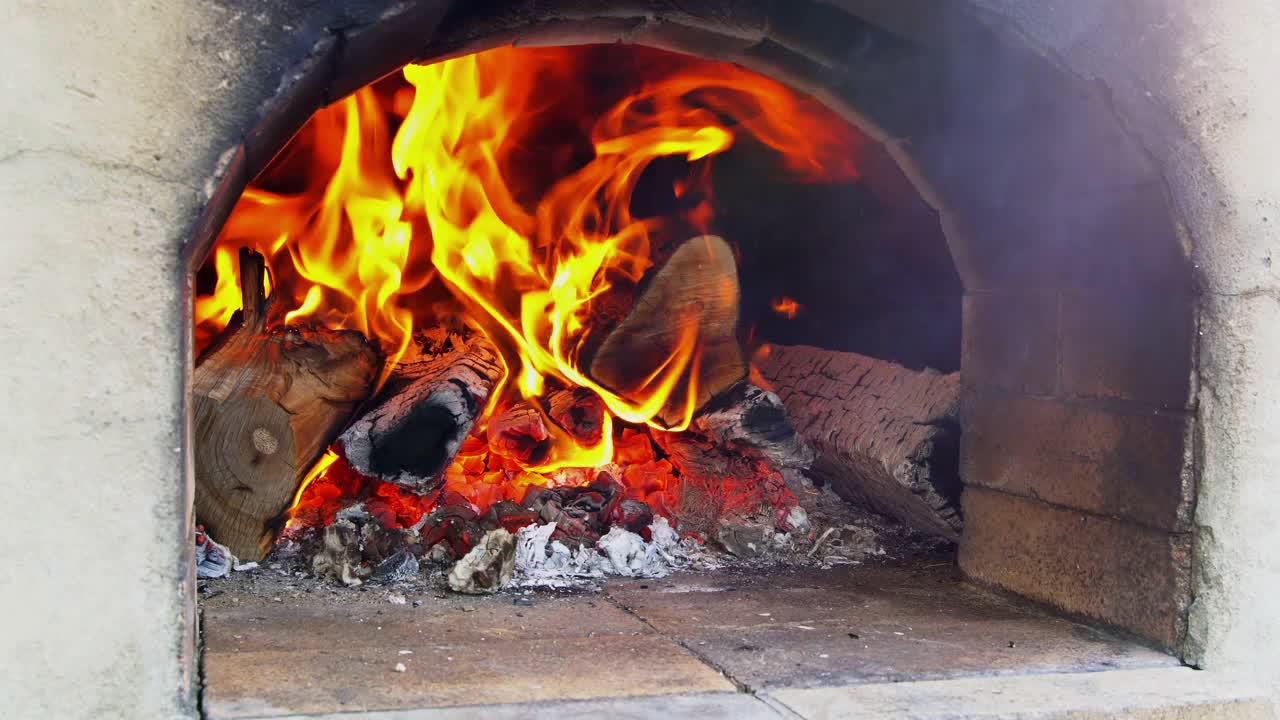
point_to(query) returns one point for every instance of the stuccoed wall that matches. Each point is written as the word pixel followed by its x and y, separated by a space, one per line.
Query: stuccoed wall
pixel 99 181
pixel 117 117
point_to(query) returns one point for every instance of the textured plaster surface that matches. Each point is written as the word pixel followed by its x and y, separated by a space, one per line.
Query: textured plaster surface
pixel 97 194
pixel 1195 83
pixel 115 115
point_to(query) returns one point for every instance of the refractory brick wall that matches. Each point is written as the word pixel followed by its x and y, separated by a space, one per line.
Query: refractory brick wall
pixel 1079 315
pixel 1078 454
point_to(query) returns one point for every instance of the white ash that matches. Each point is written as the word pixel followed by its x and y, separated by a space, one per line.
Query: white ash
pixel 215 560
pixel 439 555
pixel 543 562
pixel 823 531
pixel 339 555
pixel 488 567
pixel 355 513
pixel 630 556
pixel 401 567
pixel 797 520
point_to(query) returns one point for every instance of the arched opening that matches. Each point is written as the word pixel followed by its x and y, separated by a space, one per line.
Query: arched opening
pixel 1074 335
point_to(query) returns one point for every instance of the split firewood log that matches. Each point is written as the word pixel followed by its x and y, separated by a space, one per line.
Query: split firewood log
pixel 520 433
pixel 886 437
pixel 267 401
pixel 698 286
pixel 580 412
pixel 410 432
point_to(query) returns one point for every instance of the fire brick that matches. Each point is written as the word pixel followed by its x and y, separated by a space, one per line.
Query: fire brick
pixel 1010 341
pixel 1132 577
pixel 1133 465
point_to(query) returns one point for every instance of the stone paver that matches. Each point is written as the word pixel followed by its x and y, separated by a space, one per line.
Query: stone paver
pixel 1161 694
pixel 705 706
pixel 282 660
pixel 867 624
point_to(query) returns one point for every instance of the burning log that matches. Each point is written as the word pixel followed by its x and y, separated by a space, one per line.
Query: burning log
pixel 415 426
pixel 699 285
pixel 717 483
pixel 580 412
pixel 885 436
pixel 735 456
pixel 753 421
pixel 267 402
pixel 520 434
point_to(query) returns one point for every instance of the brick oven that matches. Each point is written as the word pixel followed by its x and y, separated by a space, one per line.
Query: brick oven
pixel 1052 218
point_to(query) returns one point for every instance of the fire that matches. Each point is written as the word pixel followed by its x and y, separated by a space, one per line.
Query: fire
pixel 408 202
pixel 786 307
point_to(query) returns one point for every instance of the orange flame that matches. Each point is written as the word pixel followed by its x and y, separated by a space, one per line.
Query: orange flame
pixel 786 307
pixel 357 222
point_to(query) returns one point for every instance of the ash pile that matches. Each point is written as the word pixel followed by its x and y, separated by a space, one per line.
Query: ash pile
pixel 573 538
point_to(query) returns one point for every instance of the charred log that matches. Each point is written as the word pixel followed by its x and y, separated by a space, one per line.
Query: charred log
pixel 696 289
pixel 718 483
pixel 753 421
pixel 735 459
pixel 580 412
pixel 886 436
pixel 415 426
pixel 267 402
pixel 519 433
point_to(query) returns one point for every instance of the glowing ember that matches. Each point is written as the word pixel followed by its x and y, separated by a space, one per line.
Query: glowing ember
pixel 455 193
pixel 786 307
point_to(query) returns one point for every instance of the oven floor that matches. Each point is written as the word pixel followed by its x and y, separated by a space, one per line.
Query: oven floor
pixel 700 645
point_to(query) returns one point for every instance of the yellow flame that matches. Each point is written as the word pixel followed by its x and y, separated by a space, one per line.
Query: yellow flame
pixel 217 309
pixel 316 471
pixel 371 220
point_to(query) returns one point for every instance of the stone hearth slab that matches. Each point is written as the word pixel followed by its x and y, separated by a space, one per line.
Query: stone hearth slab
pixel 1152 694
pixel 703 706
pixel 324 650
pixel 286 659
pixel 867 624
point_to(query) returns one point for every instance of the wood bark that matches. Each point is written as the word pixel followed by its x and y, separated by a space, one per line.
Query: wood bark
pixel 412 430
pixel 886 436
pixel 267 401
pixel 698 287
